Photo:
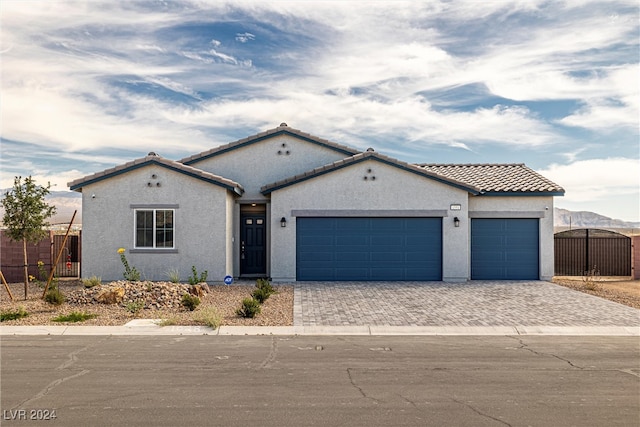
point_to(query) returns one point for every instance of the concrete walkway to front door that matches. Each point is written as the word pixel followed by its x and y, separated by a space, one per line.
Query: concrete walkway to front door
pixel 470 304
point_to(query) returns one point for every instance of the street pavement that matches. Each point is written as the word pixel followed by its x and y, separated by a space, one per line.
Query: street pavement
pixel 320 381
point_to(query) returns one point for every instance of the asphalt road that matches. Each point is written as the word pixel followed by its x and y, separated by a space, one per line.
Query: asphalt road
pixel 320 381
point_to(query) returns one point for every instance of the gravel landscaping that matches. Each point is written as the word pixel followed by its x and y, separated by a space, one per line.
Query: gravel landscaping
pixel 147 300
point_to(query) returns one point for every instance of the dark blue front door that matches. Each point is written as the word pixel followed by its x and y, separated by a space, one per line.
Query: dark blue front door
pixel 369 249
pixel 253 244
pixel 505 249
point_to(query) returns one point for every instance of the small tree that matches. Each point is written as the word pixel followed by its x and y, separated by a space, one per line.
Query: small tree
pixel 25 215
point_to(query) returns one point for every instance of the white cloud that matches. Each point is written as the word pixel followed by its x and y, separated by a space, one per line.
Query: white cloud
pixel 245 37
pixel 590 180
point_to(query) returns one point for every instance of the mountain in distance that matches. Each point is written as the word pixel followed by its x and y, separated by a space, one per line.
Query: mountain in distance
pixel 585 219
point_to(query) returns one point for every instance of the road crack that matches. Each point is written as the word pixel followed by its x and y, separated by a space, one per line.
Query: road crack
pixel 482 414
pixel 524 346
pixel 360 389
pixel 49 388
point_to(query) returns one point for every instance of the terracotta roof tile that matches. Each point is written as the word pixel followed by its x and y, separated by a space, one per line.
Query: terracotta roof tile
pixel 497 178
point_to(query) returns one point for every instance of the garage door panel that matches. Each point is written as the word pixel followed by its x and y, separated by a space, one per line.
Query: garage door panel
pixel 370 249
pixel 505 248
pixel 351 256
pixel 352 240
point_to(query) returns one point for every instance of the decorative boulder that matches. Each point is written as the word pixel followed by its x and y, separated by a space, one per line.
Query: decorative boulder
pixel 111 296
pixel 197 290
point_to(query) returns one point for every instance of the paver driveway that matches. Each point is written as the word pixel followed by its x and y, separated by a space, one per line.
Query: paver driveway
pixel 475 303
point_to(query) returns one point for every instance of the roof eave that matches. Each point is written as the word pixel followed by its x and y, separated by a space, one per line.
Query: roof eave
pixel 266 135
pixel 521 193
pixel 237 189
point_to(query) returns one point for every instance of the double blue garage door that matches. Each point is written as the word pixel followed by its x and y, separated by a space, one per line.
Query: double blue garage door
pixel 369 249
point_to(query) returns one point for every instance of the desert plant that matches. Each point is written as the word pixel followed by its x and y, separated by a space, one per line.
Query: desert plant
pixel 92 281
pixel 250 308
pixel 134 306
pixel 13 314
pixel 130 273
pixel 54 296
pixel 265 284
pixel 75 316
pixel 209 316
pixel 589 279
pixel 169 321
pixel 194 279
pixel 174 275
pixel 263 290
pixel 190 301
pixel 260 295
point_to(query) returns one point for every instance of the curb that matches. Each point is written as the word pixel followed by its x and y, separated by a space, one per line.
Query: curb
pixel 150 327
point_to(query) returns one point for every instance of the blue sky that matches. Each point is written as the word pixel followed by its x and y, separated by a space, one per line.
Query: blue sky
pixel 553 84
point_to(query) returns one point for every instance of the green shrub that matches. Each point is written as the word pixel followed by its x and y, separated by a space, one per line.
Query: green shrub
pixel 75 317
pixel 250 308
pixel 190 301
pixel 208 316
pixel 263 290
pixel 194 279
pixel 54 296
pixel 13 314
pixel 260 295
pixel 266 285
pixel 134 306
pixel 92 281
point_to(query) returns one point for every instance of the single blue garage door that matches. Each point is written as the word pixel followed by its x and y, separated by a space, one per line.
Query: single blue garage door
pixel 504 249
pixel 369 248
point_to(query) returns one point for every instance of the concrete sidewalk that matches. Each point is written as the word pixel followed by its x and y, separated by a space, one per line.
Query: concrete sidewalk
pixel 149 327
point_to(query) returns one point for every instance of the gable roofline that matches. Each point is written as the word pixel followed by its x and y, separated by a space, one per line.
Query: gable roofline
pixel 507 179
pixel 154 159
pixel 361 157
pixel 283 129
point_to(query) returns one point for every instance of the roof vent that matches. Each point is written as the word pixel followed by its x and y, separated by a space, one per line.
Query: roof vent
pixel 152 153
pixel 283 125
pixel 370 149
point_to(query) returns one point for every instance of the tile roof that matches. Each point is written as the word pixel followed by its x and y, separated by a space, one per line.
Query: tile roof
pixel 497 178
pixel 369 154
pixel 153 158
pixel 283 129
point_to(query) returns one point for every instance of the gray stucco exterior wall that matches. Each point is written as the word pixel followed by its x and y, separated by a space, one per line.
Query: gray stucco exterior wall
pixel 393 191
pixel 202 230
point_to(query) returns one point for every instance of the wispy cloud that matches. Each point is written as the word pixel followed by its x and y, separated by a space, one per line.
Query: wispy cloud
pixel 471 79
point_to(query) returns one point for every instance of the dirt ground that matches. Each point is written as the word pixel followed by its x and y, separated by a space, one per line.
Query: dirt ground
pixel 618 289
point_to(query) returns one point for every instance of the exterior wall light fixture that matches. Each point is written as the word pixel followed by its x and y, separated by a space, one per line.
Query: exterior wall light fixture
pixel 283 222
pixel 456 222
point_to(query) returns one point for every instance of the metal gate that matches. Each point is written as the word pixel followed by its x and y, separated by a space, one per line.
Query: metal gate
pixel 603 252
pixel 69 263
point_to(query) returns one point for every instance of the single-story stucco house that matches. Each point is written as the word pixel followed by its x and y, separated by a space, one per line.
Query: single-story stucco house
pixel 294 207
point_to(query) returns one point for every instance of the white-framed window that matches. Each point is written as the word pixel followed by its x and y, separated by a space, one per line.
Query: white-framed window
pixel 154 229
